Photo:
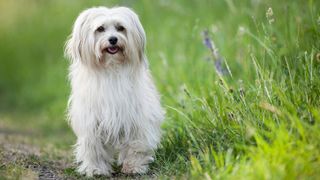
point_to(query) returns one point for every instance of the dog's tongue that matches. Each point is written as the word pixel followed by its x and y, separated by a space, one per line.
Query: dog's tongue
pixel 113 49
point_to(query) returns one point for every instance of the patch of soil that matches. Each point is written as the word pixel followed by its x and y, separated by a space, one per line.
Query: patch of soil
pixel 14 151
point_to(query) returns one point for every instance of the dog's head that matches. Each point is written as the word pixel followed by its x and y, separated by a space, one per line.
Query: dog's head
pixel 103 36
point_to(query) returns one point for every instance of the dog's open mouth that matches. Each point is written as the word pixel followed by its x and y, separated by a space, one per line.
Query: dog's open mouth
pixel 112 49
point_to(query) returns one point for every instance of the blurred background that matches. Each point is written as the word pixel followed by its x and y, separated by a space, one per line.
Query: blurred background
pixel 265 48
pixel 33 71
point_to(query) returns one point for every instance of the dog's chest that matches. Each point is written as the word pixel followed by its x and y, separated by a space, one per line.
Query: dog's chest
pixel 115 105
pixel 118 100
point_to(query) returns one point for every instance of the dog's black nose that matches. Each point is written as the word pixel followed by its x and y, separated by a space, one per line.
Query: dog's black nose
pixel 113 40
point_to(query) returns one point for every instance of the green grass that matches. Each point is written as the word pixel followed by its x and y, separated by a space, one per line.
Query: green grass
pixel 259 120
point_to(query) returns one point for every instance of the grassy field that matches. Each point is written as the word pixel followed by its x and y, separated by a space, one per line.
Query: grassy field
pixel 240 81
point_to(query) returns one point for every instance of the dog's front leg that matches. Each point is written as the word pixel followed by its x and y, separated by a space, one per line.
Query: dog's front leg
pixel 94 159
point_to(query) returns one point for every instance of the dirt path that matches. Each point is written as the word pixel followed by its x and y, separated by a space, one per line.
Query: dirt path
pixel 21 158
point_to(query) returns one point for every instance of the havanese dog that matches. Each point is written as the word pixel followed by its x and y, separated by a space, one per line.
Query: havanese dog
pixel 114 108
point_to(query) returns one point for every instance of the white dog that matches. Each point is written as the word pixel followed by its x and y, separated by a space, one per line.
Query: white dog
pixel 114 108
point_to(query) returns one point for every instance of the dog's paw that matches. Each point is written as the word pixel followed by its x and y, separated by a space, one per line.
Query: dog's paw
pixel 91 170
pixel 132 169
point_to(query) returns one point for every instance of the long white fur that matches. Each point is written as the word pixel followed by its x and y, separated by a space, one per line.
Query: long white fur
pixel 114 108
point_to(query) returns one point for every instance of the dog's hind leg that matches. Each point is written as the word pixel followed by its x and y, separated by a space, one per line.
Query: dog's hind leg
pixel 137 153
pixel 135 158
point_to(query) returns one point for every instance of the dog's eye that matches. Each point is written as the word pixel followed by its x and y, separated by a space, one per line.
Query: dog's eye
pixel 120 28
pixel 100 29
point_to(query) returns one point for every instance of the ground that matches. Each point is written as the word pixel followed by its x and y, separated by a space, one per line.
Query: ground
pixel 26 155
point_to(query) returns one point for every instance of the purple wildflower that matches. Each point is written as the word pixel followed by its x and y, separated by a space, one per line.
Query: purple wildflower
pixel 218 66
pixel 214 51
pixel 207 41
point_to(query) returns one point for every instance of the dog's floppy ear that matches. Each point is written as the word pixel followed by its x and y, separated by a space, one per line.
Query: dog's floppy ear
pixel 138 33
pixel 74 44
pixel 141 38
